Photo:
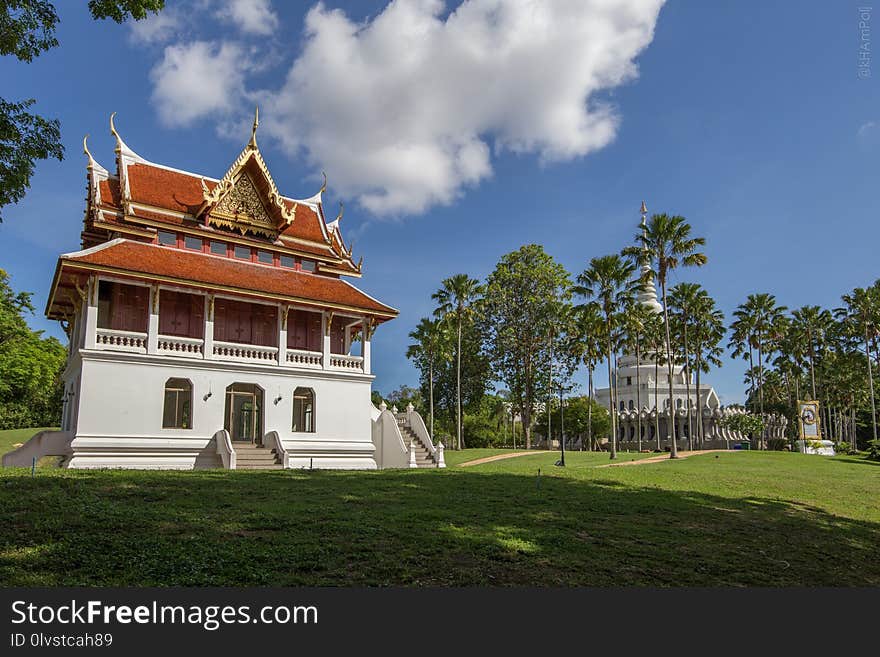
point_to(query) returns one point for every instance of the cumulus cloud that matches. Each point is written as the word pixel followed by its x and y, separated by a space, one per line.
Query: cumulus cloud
pixel 156 28
pixel 198 79
pixel 405 110
pixel 250 16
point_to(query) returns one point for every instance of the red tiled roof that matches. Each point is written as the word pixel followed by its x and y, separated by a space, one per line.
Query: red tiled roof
pixel 110 192
pixel 163 188
pixel 208 270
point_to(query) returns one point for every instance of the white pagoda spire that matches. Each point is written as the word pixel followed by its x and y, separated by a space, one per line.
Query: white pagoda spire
pixel 648 294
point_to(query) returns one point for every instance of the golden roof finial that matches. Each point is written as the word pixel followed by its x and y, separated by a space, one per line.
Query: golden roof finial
pixel 341 208
pixel 86 149
pixel 324 185
pixel 644 209
pixel 253 142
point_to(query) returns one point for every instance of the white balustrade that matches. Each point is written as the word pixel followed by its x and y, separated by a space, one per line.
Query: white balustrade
pixel 342 362
pixel 171 345
pixel 300 358
pixel 121 340
pixel 250 353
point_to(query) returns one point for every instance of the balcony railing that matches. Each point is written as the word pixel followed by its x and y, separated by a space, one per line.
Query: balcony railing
pixel 342 362
pixel 169 345
pixel 121 340
pixel 310 359
pixel 249 353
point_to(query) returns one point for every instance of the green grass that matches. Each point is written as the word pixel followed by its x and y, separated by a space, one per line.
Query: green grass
pixel 742 519
pixel 9 437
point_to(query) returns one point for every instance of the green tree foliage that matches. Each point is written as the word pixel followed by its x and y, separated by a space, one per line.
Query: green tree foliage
pixel 525 297
pixel 27 28
pixel 748 424
pixel 30 366
pixel 582 417
pixel 608 285
pixel 458 304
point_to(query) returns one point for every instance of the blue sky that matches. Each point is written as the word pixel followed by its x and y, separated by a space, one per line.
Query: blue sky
pixel 750 119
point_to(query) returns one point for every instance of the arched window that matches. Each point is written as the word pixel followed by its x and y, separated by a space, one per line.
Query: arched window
pixel 632 404
pixel 304 410
pixel 177 413
pixel 622 405
pixel 678 403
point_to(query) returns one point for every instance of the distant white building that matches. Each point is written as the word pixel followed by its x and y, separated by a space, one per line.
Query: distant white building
pixel 642 392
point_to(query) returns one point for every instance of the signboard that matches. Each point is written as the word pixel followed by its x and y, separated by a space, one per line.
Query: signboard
pixel 808 420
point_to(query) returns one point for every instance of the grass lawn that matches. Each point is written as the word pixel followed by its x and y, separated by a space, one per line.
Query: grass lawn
pixel 742 519
pixel 9 437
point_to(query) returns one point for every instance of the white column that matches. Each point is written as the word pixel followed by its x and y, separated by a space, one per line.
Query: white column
pixel 325 330
pixel 208 348
pixel 90 311
pixel 365 346
pixel 153 325
pixel 282 334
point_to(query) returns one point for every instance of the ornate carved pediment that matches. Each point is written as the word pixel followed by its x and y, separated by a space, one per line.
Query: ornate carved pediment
pixel 246 198
pixel 241 207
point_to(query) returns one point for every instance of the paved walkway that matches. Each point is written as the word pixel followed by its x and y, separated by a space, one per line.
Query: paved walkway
pixel 499 457
pixel 662 457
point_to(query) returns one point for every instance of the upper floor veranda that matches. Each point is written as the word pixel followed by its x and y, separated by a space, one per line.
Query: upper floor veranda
pixel 163 320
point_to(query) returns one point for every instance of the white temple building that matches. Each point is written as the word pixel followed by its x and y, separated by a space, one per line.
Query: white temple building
pixel 212 324
pixel 642 393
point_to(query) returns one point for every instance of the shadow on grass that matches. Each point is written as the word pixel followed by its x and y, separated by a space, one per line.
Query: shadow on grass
pixel 412 528
pixel 861 460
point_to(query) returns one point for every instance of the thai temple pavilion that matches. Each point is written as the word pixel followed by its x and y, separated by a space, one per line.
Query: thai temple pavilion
pixel 212 324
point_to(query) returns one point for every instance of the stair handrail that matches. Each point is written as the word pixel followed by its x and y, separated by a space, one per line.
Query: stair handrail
pixel 415 422
pixel 50 442
pixel 273 441
pixel 224 449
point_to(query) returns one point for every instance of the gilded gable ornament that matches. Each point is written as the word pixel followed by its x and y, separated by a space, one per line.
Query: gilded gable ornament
pixel 244 199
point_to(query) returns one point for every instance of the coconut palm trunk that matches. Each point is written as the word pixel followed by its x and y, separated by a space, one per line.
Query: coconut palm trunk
pixel 870 385
pixel 458 385
pixel 611 400
pixel 687 382
pixel 638 394
pixel 670 424
pixel 657 400
pixel 590 409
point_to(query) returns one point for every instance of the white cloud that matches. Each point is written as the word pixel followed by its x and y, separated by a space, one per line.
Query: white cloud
pixel 198 79
pixel 250 16
pixel 401 110
pixel 866 129
pixel 407 109
pixel 156 28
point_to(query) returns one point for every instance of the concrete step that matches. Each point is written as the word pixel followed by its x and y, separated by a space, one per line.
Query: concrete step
pixel 255 466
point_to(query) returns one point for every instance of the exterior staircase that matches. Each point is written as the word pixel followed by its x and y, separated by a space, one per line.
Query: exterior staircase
pixel 256 457
pixel 424 458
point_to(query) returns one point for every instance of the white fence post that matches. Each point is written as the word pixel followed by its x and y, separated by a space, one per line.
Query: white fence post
pixel 441 461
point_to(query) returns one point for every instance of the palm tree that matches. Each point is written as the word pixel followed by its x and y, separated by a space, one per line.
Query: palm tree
pixel 430 348
pixel 457 300
pixel 759 314
pixel 683 298
pixel 589 327
pixel 655 343
pixel 861 314
pixel 635 319
pixel 815 323
pixel 609 282
pixel 706 332
pixel 667 241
